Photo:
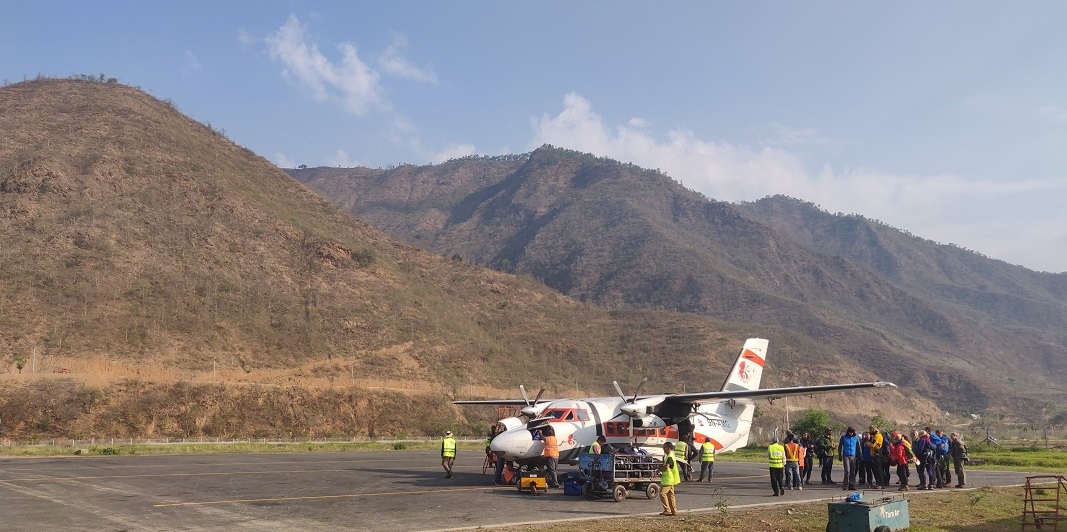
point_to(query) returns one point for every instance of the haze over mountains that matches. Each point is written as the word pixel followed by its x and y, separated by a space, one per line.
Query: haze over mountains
pixel 947 323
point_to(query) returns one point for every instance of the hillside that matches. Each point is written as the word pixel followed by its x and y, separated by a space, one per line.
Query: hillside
pixel 156 279
pixel 625 237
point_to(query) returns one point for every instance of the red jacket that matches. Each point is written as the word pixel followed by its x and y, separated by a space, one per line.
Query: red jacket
pixel 900 452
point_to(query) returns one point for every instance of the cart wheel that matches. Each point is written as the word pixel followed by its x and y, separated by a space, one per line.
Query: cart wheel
pixel 652 490
pixel 587 490
pixel 619 493
pixel 533 489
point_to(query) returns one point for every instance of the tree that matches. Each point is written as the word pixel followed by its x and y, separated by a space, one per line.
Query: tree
pixel 814 422
pixel 20 362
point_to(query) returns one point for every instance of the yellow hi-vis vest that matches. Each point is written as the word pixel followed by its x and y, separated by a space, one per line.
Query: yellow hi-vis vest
pixel 707 452
pixel 670 476
pixel 775 456
pixel 680 450
pixel 448 448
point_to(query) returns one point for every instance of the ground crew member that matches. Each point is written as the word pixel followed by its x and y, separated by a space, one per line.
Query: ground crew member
pixel 874 444
pixel 776 464
pixel 551 455
pixel 448 453
pixel 681 450
pixel 598 446
pixel 669 476
pixel 707 459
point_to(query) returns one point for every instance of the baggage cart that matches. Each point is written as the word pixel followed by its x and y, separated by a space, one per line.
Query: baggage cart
pixel 616 475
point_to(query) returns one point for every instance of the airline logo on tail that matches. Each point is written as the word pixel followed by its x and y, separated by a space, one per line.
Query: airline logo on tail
pixel 748 369
pixel 745 367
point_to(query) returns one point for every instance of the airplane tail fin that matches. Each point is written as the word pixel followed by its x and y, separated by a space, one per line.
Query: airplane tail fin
pixel 748 369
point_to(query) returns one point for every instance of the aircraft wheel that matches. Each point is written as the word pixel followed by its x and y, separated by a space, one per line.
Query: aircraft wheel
pixel 619 493
pixel 652 490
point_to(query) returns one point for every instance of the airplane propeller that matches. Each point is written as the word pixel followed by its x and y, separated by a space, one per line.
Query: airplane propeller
pixel 530 410
pixel 631 407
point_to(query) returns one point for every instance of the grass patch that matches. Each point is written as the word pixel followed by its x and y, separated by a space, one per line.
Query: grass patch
pixel 982 510
pixel 232 448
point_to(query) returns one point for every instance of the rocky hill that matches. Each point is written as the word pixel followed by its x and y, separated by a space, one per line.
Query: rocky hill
pixel 157 279
pixel 972 332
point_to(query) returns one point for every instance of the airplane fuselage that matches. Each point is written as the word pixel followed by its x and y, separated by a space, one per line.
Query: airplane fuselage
pixel 578 422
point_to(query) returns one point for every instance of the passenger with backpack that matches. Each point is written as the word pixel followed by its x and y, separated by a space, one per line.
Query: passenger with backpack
pixel 924 451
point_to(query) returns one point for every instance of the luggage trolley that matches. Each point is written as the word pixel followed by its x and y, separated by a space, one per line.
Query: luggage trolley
pixel 616 475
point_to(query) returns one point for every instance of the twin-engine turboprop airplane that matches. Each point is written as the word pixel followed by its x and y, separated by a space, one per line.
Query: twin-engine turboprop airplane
pixel 647 421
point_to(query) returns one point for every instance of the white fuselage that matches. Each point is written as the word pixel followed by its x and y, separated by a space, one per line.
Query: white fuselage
pixel 578 422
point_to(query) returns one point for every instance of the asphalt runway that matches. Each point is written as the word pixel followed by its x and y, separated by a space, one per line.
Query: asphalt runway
pixel 398 490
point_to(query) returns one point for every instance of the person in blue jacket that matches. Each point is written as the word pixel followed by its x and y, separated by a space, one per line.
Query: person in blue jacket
pixel 848 450
pixel 941 458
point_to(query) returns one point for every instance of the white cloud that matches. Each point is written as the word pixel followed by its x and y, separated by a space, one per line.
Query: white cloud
pixel 282 160
pixel 453 151
pixel 392 61
pixel 352 82
pixel 192 64
pixel 1053 113
pixel 340 158
pixel 989 217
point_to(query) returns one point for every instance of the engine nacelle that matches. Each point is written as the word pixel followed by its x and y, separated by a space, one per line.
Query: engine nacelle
pixel 648 422
pixel 511 422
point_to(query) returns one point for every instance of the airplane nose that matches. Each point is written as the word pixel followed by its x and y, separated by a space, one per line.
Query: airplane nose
pixel 515 444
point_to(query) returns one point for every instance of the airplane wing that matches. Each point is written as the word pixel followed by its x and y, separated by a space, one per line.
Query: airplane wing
pixel 771 393
pixel 502 402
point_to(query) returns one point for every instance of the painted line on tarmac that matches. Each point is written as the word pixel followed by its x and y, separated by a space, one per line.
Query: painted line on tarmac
pixel 68 467
pixel 344 496
pixel 206 474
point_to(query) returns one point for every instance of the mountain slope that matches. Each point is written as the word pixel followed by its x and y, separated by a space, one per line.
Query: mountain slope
pixel 621 236
pixel 166 281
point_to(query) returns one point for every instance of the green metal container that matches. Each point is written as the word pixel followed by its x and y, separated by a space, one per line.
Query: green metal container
pixel 865 516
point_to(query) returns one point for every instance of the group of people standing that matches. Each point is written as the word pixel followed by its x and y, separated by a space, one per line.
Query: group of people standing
pixel 867 459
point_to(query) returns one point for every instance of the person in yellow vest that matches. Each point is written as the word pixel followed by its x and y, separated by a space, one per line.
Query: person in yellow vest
pixel 707 459
pixel 551 456
pixel 669 476
pixel 776 463
pixel 448 453
pixel 681 452
pixel 598 446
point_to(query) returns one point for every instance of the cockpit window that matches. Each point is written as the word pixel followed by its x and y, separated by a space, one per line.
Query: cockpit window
pixel 566 414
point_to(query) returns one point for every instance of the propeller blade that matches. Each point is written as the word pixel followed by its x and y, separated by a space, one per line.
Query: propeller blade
pixel 638 392
pixel 618 389
pixel 522 390
pixel 539 394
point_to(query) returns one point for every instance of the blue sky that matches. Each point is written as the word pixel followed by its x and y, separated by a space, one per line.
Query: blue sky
pixel 946 119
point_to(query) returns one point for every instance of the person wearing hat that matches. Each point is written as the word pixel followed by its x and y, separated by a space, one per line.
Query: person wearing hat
pixel 776 465
pixel 848 451
pixel 448 453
